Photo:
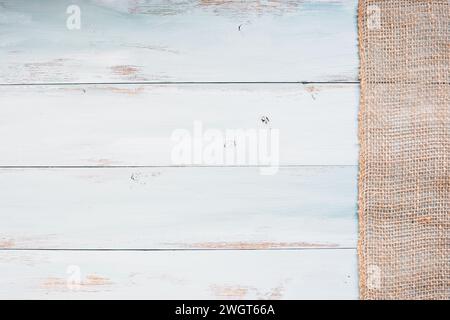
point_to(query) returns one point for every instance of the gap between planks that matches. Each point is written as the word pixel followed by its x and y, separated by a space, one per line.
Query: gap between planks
pixel 175 249
pixel 174 166
pixel 175 83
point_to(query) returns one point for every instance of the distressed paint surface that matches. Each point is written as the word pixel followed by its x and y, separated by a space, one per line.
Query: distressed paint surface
pixel 134 41
pixel 177 275
pixel 187 208
pixel 220 233
pixel 132 124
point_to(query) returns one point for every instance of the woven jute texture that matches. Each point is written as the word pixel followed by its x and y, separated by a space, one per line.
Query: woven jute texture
pixel 404 134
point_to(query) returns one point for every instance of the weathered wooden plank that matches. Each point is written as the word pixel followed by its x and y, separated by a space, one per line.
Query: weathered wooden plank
pixel 194 40
pixel 185 208
pixel 306 274
pixel 133 125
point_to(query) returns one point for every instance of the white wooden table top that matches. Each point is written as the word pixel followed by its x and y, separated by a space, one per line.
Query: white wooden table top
pixel 87 185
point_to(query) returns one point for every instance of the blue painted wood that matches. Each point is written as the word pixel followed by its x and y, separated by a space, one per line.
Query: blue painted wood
pixel 135 41
pixel 168 208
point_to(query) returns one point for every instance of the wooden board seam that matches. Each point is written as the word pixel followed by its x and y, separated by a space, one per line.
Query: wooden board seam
pixel 175 83
pixel 174 249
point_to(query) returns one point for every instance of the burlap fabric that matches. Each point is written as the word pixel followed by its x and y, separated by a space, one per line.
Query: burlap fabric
pixel 404 134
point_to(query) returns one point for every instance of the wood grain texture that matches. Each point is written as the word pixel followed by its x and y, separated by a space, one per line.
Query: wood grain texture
pixel 176 232
pixel 133 125
pixel 178 208
pixel 308 274
pixel 194 40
